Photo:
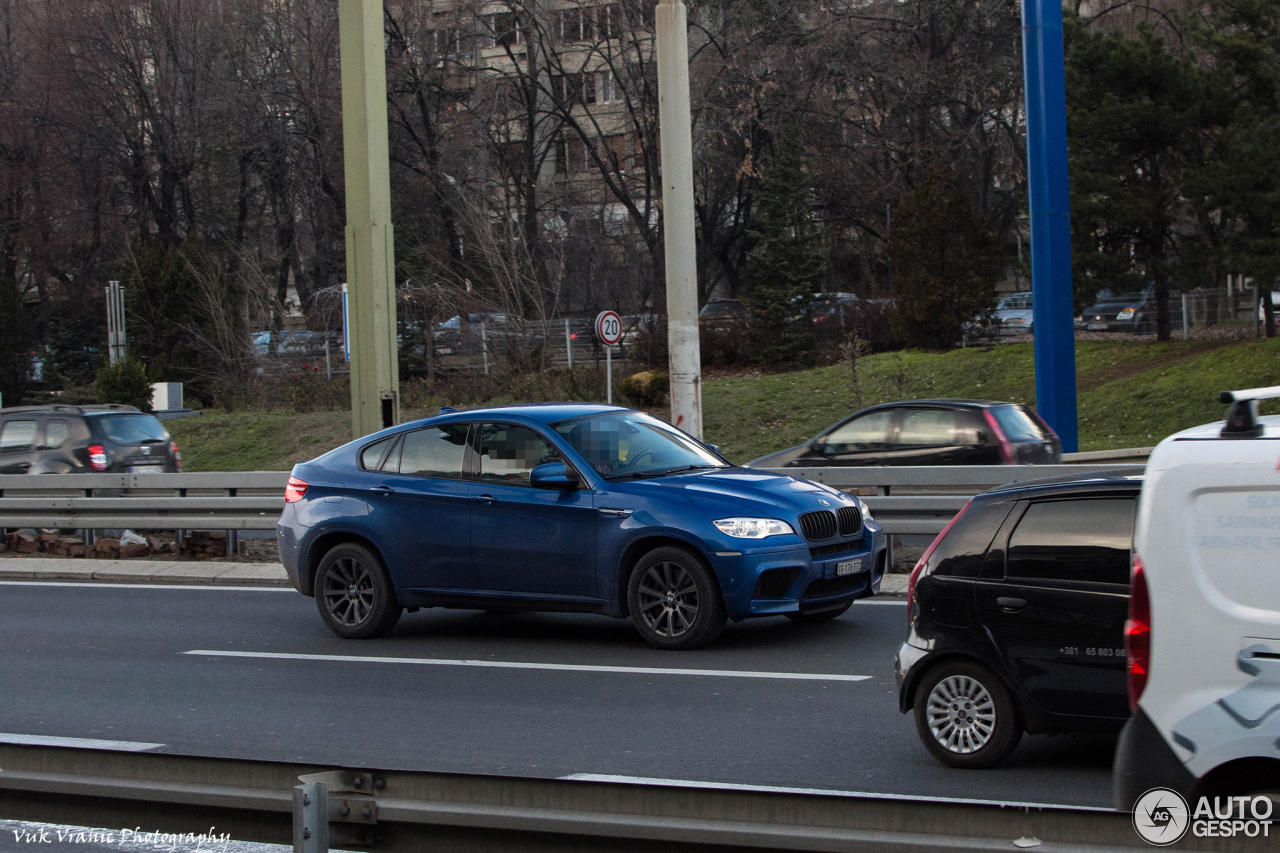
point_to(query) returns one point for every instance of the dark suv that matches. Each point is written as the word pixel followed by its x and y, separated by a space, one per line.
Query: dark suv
pixel 83 440
pixel 1016 618
pixel 928 432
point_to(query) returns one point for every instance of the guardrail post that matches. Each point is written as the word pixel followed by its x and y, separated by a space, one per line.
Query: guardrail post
pixel 233 539
pixel 311 818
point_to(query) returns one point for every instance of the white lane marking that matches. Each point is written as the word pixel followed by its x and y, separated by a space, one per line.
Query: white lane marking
pixel 731 786
pixel 882 601
pixel 77 742
pixel 127 585
pixel 562 667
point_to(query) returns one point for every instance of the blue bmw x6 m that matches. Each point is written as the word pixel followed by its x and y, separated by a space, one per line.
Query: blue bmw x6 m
pixel 568 507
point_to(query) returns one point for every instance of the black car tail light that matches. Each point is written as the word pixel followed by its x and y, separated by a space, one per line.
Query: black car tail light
pixel 1137 634
pixel 295 490
pixel 1006 449
pixel 818 525
pixel 924 561
pixel 98 457
pixel 177 455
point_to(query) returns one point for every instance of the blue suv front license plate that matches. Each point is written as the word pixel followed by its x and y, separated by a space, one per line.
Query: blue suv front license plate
pixel 848 567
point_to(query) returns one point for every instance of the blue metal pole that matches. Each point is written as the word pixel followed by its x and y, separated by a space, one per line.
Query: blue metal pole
pixel 1046 104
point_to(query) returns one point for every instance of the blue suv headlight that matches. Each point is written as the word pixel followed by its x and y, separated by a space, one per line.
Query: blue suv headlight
pixel 866 511
pixel 752 528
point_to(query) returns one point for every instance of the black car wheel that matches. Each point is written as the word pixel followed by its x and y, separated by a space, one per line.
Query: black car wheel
pixel 354 593
pixel 965 715
pixel 819 616
pixel 674 600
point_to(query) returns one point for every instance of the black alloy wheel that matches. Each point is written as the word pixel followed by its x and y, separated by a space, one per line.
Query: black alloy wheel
pixel 674 600
pixel 814 617
pixel 354 593
pixel 965 715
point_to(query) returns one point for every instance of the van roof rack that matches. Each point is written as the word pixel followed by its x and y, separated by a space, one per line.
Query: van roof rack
pixel 1242 417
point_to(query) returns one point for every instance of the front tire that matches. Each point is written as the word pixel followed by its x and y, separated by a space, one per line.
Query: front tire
pixel 354 593
pixel 965 715
pixel 674 600
pixel 820 616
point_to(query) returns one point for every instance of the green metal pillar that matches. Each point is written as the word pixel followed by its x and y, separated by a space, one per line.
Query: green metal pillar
pixel 375 373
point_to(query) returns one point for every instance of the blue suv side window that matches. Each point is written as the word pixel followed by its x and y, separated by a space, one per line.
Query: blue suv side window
pixel 508 453
pixel 435 452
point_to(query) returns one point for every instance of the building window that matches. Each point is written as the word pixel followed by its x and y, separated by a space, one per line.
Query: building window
pixel 445 42
pixel 575 24
pixel 609 21
pixel 569 89
pixel 572 156
pixel 610 90
pixel 503 30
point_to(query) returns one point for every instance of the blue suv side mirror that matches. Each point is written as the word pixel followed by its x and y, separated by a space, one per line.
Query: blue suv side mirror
pixel 554 475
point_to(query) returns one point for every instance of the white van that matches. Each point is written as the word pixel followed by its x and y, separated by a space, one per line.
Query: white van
pixel 1203 635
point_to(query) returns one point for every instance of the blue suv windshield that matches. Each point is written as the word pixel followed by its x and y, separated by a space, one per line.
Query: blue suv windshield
pixel 626 445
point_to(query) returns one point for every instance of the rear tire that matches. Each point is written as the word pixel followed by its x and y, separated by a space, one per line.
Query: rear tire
pixel 674 600
pixel 354 593
pixel 821 616
pixel 965 715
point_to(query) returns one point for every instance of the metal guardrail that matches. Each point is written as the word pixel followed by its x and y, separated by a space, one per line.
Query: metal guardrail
pixel 908 501
pixel 223 500
pixel 394 810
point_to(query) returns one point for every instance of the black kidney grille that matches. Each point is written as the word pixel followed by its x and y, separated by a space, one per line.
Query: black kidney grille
pixel 774 583
pixel 818 525
pixel 850 520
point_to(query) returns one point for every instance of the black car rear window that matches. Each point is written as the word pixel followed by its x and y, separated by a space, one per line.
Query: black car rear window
pixel 130 429
pixel 1073 540
pixel 1017 425
pixel 961 553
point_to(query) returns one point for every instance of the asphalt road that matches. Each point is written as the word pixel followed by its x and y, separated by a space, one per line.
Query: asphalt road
pixel 113 663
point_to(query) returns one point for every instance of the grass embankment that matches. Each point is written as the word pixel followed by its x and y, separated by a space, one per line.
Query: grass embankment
pixel 1131 394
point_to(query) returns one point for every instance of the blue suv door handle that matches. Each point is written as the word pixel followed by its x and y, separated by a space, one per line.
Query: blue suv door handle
pixel 383 490
pixel 614 513
pixel 484 500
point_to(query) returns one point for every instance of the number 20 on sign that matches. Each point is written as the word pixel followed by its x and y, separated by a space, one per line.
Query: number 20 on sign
pixel 609 332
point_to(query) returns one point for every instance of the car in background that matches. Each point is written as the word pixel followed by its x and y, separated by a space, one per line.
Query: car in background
pixel 928 432
pixel 724 314
pixel 1013 315
pixel 1123 312
pixel 1016 618
pixel 62 439
pixel 568 507
pixel 1203 634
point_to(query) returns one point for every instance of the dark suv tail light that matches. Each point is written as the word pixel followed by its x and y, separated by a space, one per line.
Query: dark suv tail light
pixel 1006 449
pixel 1137 634
pixel 97 457
pixel 924 561
pixel 177 455
pixel 294 490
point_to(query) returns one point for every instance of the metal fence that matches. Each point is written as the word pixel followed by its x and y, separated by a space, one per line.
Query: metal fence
pixel 481 344
pixel 397 810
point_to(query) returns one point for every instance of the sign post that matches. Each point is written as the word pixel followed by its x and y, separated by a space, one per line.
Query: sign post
pixel 609 331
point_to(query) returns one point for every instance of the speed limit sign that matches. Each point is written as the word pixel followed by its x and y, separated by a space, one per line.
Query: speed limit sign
pixel 609 332
pixel 609 327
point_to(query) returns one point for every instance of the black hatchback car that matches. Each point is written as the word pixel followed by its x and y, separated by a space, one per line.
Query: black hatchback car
pixel 927 432
pixel 83 440
pixel 1016 618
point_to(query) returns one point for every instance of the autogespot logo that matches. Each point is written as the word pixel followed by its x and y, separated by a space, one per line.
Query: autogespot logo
pixel 1161 817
